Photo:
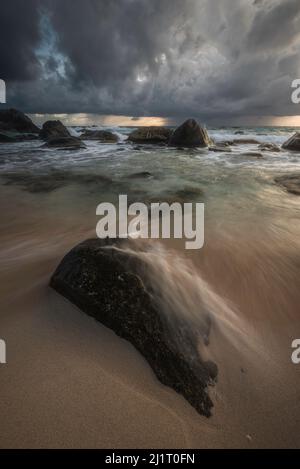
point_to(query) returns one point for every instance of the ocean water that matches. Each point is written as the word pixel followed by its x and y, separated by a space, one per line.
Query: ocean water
pixel 53 194
pixel 231 182
pixel 170 168
pixel 246 276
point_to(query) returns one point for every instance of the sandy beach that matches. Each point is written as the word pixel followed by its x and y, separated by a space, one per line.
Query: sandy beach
pixel 70 382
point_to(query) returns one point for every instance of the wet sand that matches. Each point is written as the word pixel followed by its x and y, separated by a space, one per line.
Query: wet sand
pixel 71 382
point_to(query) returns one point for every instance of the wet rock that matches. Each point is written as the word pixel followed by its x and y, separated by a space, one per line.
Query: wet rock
pixel 103 136
pixel 6 138
pixel 245 141
pixel 43 185
pixel 22 137
pixel 239 132
pixel 67 143
pixel 36 183
pixel 188 193
pixel 48 182
pixel 13 137
pixel 269 147
pixel 141 175
pixel 112 286
pixel 54 129
pixel 220 148
pixel 291 182
pixel 150 135
pixel 252 154
pixel 90 179
pixel 225 143
pixel 190 134
pixel 293 143
pixel 185 195
pixel 16 121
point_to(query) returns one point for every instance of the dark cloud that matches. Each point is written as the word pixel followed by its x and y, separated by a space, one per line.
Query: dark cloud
pixel 209 58
pixel 19 36
pixel 277 26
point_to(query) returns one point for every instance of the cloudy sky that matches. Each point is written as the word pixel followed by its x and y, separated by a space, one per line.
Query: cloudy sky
pixel 220 61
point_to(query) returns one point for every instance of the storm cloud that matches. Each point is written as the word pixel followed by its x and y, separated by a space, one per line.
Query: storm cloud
pixel 212 59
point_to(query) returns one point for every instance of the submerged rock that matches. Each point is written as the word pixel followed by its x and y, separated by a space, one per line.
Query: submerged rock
pixel 150 135
pixel 225 143
pixel 253 154
pixel 220 148
pixel 141 175
pixel 4 137
pixel 55 179
pixel 13 137
pixel 190 134
pixel 67 143
pixel 293 143
pixel 185 195
pixel 269 147
pixel 188 193
pixel 291 182
pixel 111 285
pixel 103 136
pixel 245 141
pixel 53 129
pixel 16 121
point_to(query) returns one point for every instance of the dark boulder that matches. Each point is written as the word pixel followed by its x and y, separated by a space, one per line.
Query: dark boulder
pixel 112 286
pixel 291 182
pixel 103 136
pixel 292 143
pixel 53 129
pixel 16 121
pixel 190 134
pixel 152 135
pixel 67 143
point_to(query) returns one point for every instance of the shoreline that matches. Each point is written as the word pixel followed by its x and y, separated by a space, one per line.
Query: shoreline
pixel 66 372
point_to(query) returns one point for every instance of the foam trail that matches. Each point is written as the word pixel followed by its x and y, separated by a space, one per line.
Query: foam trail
pixel 187 300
